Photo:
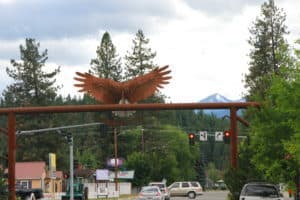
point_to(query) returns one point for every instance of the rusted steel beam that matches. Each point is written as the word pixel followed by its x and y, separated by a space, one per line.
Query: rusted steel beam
pixel 234 137
pixel 116 107
pixel 11 156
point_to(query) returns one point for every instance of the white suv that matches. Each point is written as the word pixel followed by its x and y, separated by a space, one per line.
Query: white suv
pixel 257 191
pixel 186 188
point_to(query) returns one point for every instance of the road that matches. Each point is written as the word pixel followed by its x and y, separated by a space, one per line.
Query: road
pixel 213 195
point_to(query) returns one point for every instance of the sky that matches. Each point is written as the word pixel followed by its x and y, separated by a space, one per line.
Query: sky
pixel 204 42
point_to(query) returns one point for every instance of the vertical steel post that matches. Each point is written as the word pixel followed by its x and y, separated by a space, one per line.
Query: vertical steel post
pixel 116 158
pixel 143 141
pixel 11 156
pixel 234 137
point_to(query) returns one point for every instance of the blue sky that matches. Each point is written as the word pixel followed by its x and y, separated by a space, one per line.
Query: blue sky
pixel 204 42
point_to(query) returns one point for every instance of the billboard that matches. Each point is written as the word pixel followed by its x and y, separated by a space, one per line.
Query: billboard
pixel 102 175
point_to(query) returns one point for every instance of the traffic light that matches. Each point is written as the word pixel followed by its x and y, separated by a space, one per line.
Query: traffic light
pixel 226 137
pixel 191 138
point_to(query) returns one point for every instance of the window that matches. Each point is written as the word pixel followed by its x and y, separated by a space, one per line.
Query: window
pixel 261 191
pixel 24 184
pixel 150 190
pixel 175 185
pixel 185 185
pixel 195 184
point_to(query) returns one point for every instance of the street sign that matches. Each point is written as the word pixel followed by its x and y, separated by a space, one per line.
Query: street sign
pixel 203 135
pixel 219 136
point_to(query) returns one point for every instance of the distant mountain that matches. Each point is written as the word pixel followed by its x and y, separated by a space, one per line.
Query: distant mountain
pixel 218 98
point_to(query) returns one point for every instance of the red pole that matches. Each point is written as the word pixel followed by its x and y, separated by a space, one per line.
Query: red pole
pixel 234 137
pixel 11 155
pixel 116 157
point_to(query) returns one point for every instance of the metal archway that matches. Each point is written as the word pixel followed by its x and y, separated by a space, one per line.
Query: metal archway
pixel 12 112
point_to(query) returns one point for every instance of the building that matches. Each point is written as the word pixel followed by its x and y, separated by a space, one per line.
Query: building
pixel 32 175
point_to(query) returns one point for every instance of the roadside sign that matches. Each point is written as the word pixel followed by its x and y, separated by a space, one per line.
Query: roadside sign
pixel 203 135
pixel 219 136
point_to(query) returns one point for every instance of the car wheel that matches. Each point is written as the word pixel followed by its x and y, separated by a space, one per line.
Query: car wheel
pixel 192 195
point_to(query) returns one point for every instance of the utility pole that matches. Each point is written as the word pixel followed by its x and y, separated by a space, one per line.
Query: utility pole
pixel 70 141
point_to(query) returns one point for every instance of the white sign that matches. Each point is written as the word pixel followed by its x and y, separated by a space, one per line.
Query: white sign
pixel 219 136
pixel 203 135
pixel 122 174
pixel 102 174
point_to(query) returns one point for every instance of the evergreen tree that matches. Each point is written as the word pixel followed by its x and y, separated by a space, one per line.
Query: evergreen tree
pixel 32 85
pixel 107 64
pixel 140 60
pixel 269 49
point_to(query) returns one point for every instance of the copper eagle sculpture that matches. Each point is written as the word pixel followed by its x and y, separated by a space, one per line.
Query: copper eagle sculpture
pixel 109 91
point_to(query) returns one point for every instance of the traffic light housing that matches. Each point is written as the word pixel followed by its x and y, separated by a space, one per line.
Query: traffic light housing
pixel 227 137
pixel 191 138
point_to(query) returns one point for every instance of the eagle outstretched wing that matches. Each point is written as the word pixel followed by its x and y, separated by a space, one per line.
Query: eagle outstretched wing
pixel 144 86
pixel 109 91
pixel 102 89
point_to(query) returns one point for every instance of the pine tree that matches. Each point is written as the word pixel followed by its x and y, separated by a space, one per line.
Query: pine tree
pixel 32 85
pixel 107 64
pixel 140 60
pixel 269 49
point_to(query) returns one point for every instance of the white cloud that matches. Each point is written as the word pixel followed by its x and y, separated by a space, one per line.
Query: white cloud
pixel 206 51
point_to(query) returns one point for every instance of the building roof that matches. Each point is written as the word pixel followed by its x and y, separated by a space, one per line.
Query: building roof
pixel 30 170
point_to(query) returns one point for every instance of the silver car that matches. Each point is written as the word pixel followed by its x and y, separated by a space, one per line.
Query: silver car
pixel 150 193
pixel 163 188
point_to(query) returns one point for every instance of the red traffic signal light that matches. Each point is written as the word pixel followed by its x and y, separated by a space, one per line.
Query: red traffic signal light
pixel 226 137
pixel 191 135
pixel 191 138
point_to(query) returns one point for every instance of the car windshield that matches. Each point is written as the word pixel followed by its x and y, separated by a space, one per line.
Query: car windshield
pixel 261 190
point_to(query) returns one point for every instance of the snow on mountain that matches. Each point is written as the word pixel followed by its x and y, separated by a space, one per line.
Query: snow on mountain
pixel 218 98
pixel 214 98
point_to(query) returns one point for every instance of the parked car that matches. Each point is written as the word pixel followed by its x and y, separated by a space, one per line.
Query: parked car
pixel 260 190
pixel 27 193
pixel 186 188
pixel 150 193
pixel 163 188
pixel 220 185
